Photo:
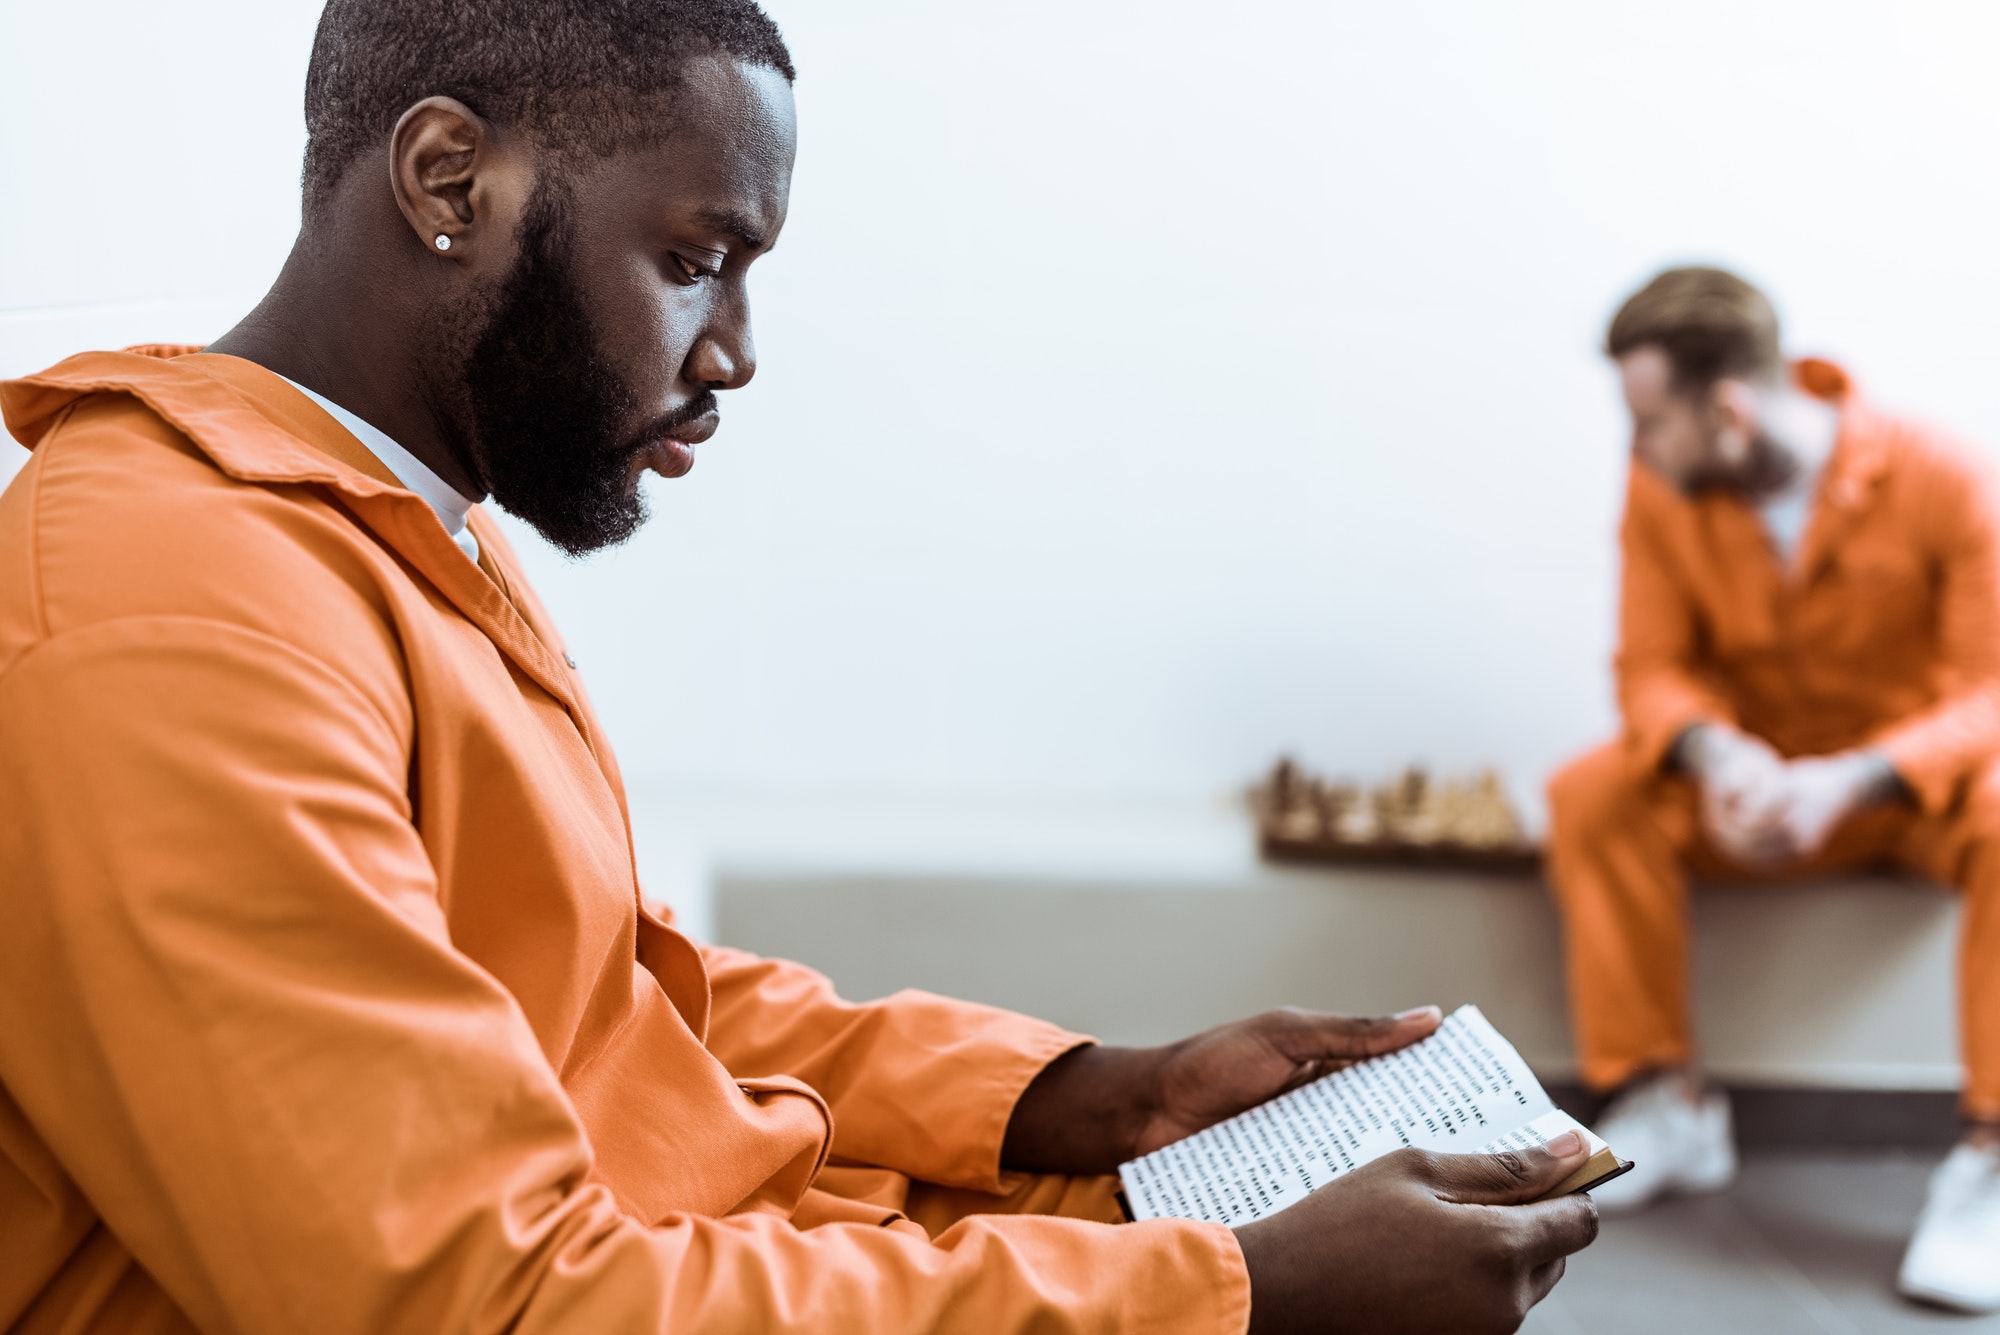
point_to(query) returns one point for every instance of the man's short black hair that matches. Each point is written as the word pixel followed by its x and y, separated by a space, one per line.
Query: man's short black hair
pixel 576 75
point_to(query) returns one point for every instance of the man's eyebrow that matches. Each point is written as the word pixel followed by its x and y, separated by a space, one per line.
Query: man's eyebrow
pixel 734 224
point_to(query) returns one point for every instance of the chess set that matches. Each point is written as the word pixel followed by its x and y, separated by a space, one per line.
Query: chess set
pixel 1414 819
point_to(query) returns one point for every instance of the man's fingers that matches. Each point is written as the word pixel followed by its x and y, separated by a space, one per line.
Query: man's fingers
pixel 1545 1278
pixel 1509 1178
pixel 1747 841
pixel 1761 852
pixel 1309 1036
pixel 1753 811
pixel 1554 1229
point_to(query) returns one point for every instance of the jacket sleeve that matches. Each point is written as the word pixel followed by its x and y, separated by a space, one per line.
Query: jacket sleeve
pixel 230 1007
pixel 916 1082
pixel 1937 749
pixel 1661 689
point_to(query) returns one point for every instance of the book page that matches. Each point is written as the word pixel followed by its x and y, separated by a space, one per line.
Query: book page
pixel 1459 1091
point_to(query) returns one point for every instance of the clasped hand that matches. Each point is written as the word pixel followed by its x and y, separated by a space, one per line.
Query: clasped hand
pixel 1761 809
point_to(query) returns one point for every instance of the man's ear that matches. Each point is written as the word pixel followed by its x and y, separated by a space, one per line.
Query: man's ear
pixel 443 168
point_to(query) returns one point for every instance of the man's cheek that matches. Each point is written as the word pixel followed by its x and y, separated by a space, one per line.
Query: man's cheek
pixel 658 346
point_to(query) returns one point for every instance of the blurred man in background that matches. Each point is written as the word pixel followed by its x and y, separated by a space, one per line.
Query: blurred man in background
pixel 1809 672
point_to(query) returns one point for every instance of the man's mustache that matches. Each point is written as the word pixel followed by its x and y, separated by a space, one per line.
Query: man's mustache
pixel 700 406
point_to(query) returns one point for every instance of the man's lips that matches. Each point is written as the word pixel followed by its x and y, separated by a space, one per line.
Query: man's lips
pixel 672 454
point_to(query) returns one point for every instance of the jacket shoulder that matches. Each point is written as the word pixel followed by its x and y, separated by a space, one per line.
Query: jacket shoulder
pixel 1937 475
pixel 119 514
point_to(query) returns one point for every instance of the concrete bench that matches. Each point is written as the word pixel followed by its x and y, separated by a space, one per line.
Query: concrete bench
pixel 1143 924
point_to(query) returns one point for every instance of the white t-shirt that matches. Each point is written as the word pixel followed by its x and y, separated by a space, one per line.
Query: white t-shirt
pixel 449 504
pixel 1811 429
pixel 1785 514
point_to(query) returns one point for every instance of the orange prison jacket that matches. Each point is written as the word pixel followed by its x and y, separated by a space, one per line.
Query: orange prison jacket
pixel 1884 633
pixel 328 1002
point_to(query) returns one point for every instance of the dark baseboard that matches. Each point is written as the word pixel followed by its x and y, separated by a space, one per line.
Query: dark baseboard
pixel 1775 1117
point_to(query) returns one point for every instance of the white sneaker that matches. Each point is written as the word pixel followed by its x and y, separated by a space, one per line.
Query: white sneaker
pixel 1954 1257
pixel 1675 1146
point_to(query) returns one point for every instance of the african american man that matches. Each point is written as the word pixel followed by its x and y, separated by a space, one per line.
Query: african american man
pixel 328 1000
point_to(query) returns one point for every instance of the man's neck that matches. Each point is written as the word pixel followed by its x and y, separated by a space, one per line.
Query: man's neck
pixel 325 325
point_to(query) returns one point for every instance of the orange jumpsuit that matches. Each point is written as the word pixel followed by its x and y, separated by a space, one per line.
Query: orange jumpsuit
pixel 328 1002
pixel 1885 633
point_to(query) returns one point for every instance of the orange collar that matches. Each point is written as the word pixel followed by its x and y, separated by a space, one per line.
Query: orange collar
pixel 225 405
pixel 257 427
pixel 1861 450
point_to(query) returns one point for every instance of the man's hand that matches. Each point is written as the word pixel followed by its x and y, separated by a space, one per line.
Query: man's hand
pixel 1094 1107
pixel 1218 1074
pixel 1826 790
pixel 1758 808
pixel 1419 1242
pixel 1743 788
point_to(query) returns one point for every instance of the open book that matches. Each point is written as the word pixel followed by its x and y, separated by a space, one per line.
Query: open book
pixel 1463 1090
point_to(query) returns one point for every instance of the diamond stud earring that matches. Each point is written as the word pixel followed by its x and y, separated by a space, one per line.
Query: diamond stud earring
pixel 444 242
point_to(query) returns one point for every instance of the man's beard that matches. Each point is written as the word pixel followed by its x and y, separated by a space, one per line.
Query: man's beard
pixel 1766 468
pixel 544 418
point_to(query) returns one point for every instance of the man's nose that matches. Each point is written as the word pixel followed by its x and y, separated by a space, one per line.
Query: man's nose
pixel 723 358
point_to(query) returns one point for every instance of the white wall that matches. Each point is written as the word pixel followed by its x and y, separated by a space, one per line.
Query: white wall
pixel 1147 386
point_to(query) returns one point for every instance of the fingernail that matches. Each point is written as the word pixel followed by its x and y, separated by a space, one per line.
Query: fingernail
pixel 1420 1013
pixel 1568 1143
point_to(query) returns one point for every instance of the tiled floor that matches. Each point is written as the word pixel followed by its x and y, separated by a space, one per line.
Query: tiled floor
pixel 1805 1242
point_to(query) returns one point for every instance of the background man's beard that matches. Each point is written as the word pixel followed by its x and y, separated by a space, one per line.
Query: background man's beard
pixel 1766 468
pixel 547 411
